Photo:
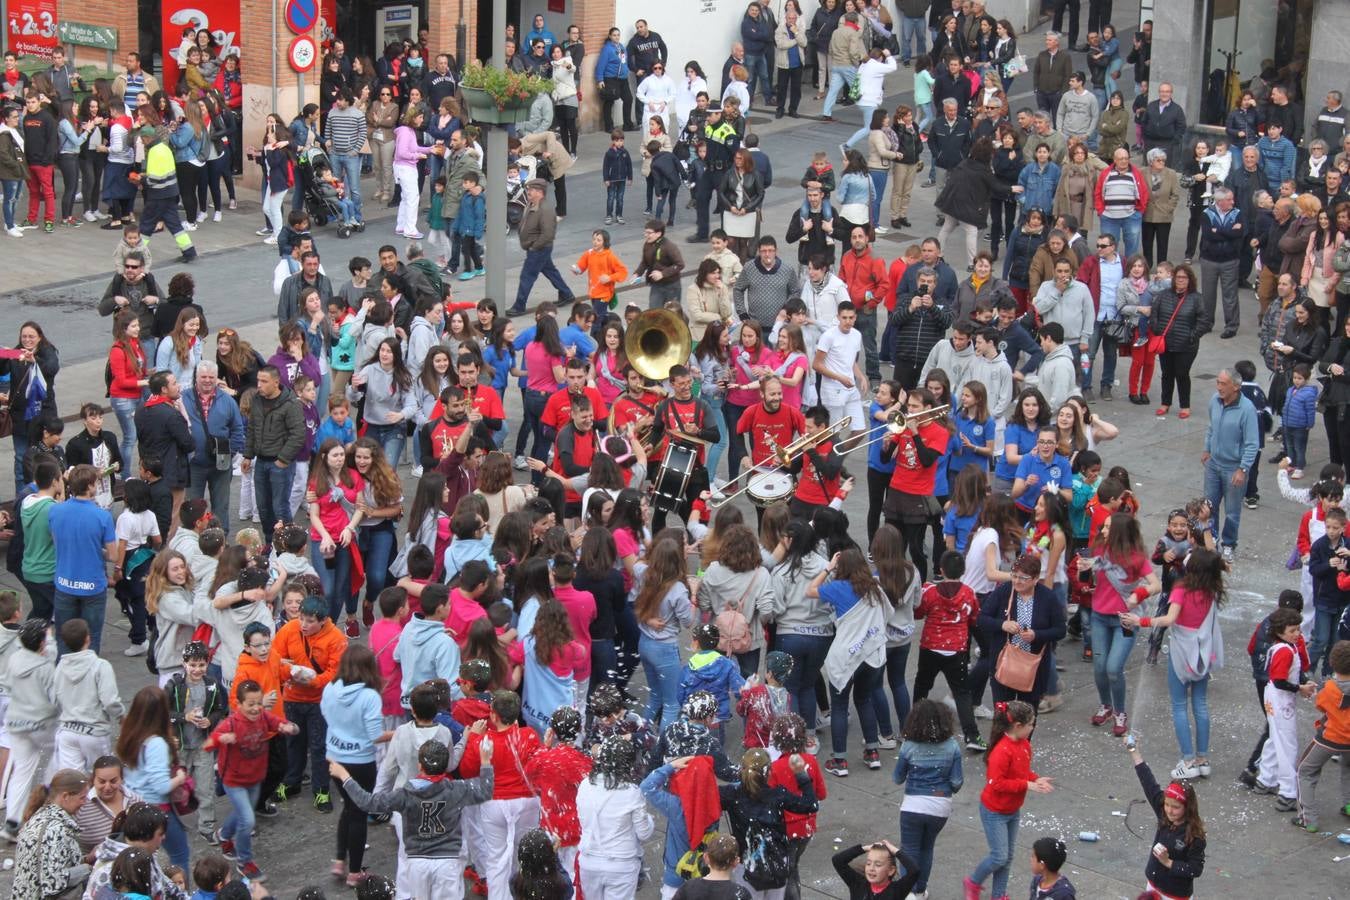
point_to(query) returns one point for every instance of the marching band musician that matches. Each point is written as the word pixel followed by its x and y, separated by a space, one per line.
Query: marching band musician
pixel 917 450
pixel 818 470
pixel 574 449
pixel 556 410
pixel 636 406
pixel 683 413
pixel 483 398
pixel 770 425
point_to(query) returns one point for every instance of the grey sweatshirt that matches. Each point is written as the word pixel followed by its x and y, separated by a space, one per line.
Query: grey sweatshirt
pixel 1078 114
pixel 9 642
pixel 996 376
pixel 431 810
pixel 382 393
pixel 794 613
pixel 32 690
pixel 86 691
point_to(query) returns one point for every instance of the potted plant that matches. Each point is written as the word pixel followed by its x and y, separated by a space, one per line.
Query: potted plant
pixel 500 96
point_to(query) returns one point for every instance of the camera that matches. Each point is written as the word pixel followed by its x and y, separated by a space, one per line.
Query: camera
pixel 922 291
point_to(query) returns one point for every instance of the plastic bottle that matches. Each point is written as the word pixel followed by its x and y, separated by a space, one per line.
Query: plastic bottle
pixel 1086 362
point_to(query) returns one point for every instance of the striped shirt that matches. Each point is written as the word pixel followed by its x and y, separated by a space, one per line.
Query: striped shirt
pixel 345 130
pixel 135 84
pixel 1119 194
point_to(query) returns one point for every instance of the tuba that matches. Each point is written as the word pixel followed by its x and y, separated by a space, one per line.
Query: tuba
pixel 657 340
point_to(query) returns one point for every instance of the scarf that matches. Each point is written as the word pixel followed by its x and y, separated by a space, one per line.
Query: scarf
pixel 892 139
pixel 15 133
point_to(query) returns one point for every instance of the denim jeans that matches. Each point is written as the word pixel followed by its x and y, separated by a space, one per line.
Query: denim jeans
pixel 661 664
pixel 347 167
pixel 540 262
pixel 535 402
pixel 861 133
pixel 716 450
pixel 840 78
pixel 175 839
pixel 310 743
pixel 1110 352
pixel 1061 590
pixel 203 478
pixel 377 543
pixel 878 191
pixel 918 836
pixel 74 606
pixel 1127 232
pixel 1323 637
pixel 1197 692
pixel 272 492
pixel 1296 446
pixel 896 660
pixel 335 574
pixel 238 825
pixel 867 327
pixel 913 31
pixel 808 653
pixel 758 66
pixel 1110 651
pixel 865 681
pixel 614 192
pixel 1001 832
pixel 926 115
pixel 392 438
pixel 13 187
pixel 20 439
pixel 1219 488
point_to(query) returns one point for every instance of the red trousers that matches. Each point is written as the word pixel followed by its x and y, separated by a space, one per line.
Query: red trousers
pixel 1141 370
pixel 1020 295
pixel 41 190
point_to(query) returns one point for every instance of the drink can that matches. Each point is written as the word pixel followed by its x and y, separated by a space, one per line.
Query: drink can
pixel 1090 837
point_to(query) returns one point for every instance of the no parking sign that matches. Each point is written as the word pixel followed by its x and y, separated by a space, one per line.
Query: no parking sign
pixel 301 15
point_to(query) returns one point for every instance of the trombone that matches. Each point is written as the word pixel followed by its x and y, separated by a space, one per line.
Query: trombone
pixel 782 458
pixel 896 422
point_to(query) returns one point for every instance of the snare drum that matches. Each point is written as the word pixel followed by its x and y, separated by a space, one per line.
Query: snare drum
pixel 767 488
pixel 672 479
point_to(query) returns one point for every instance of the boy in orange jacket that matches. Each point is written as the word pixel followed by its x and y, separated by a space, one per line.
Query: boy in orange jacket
pixel 311 646
pixel 1332 739
pixel 604 273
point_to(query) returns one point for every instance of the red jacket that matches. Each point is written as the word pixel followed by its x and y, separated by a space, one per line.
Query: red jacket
pixel 555 773
pixel 896 274
pixel 1006 776
pixel 863 273
pixel 1090 273
pixel 243 763
pixel 512 749
pixel 799 825
pixel 756 707
pixel 950 608
pixel 1141 186
pixel 125 374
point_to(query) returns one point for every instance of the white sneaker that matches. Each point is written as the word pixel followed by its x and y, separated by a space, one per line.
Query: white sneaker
pixel 983 712
pixel 136 649
pixel 101 215
pixel 16 231
pixel 79 197
pixel 90 217
pixel 201 217
pixel 215 217
pixel 881 229
pixel 417 471
pixel 887 743
pixel 919 895
pixel 270 240
pixel 189 226
pixel 1186 771
pixel 232 205
pixel 263 232
pixel 519 464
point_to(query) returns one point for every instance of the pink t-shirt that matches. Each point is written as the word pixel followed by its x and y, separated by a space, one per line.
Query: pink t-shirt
pixel 580 606
pixel 539 365
pixel 626 544
pixel 464 611
pixel 1194 606
pixel 796 362
pixel 1105 600
pixel 567 661
pixel 383 639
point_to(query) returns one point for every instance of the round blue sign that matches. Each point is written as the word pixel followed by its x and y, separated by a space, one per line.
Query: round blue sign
pixel 301 15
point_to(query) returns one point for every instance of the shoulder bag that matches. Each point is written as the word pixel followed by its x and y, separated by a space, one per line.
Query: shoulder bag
pixel 1016 668
pixel 1158 342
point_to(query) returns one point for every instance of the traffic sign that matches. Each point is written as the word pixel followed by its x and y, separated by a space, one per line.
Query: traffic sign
pixel 302 53
pixel 301 15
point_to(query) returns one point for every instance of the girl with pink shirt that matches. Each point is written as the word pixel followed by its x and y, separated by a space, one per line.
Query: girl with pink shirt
pixel 609 362
pixel 750 361
pixel 790 364
pixel 333 519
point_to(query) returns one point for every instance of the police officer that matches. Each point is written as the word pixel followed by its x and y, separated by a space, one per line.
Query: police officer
pixel 721 139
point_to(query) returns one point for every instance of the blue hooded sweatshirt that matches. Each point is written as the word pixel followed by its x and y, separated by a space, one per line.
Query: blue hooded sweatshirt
pixel 352 712
pixel 426 651
pixel 710 671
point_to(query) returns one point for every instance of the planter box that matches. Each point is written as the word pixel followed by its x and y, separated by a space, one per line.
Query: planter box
pixel 483 108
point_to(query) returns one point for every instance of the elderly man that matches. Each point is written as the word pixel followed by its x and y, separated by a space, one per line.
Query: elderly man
pixel 217 434
pixel 538 228
pixel 1120 198
pixel 1164 124
pixel 1231 445
pixel 1266 242
pixel 1164 195
pixel 1051 70
pixel 1221 235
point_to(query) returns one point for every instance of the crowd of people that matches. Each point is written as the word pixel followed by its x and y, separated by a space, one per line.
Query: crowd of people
pixel 469 644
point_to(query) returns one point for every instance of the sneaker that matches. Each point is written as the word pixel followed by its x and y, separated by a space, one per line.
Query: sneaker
pixel 251 871
pixel 10 833
pixel 1250 502
pixel 1300 822
pixel 1087 654
pixel 283 793
pixel 136 649
pixel 973 890
pixel 208 836
pixel 412 236
pixel 49 227
pixel 355 878
pixel 983 712
pixel 1101 716
pixel 813 745
pixel 353 628
pixel 90 217
pixel 887 743
pixel 323 802
pixel 232 204
pixel 16 231
pixel 270 240
pixel 416 472
pixel 1050 703
pixel 338 869
pixel 609 220
pixel 872 759
pixel 226 847
pixel 1295 474
pixel 189 226
pixel 519 464
pixel 466 275
pixel 1186 771
pixel 215 216
pixel 834 765
pixel 1229 554
pixel 261 232
pixel 917 895
pixel 618 220
pixel 881 229
pixel 1285 804
pixel 1106 392
pixel 268 810
pixel 479 273
pixel 1088 395
pixel 1261 787
pixel 1122 725
pixel 1247 777
pixel 201 217
pixel 367 613
pixel 72 222
pixel 976 742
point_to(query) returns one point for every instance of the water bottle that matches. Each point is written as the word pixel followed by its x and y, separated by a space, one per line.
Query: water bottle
pixel 1089 837
pixel 1086 362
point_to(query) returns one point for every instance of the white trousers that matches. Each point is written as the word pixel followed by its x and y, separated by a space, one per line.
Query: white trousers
pixel 609 883
pixel 1279 758
pixel 272 204
pixel 25 754
pixel 406 176
pixel 427 877
pixel 78 751
pixel 299 484
pixel 502 823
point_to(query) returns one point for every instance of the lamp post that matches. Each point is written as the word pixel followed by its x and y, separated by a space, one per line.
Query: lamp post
pixel 495 170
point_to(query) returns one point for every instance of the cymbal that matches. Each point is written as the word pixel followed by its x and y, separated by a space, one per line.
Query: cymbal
pixel 688 438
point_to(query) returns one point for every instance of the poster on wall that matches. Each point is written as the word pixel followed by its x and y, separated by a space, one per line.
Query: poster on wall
pixel 220 17
pixel 327 25
pixel 32 27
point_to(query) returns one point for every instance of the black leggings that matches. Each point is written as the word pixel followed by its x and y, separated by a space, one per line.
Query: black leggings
pixel 91 179
pixel 913 535
pixel 954 668
pixel 876 495
pixel 188 176
pixel 69 164
pixel 1176 369
pixel 1156 238
pixel 1003 221
pixel 560 195
pixel 351 830
pixel 1193 230
pixel 567 127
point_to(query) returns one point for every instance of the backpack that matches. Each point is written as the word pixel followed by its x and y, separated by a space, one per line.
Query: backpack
pixel 734 626
pixel 767 857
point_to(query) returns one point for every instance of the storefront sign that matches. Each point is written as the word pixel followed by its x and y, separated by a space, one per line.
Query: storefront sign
pixel 32 27
pixel 220 17
pixel 83 35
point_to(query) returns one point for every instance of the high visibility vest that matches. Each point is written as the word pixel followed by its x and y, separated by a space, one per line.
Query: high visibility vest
pixel 161 175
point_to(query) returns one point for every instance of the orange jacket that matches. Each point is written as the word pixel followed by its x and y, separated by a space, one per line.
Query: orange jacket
pixel 1333 729
pixel 320 653
pixel 602 262
pixel 270 675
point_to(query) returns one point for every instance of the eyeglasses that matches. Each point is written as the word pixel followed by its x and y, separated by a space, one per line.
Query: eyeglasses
pixel 1104 246
pixel 130 267
pixel 1022 576
pixel 1049 443
pixel 385 94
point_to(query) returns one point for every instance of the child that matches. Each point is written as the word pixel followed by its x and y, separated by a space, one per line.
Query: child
pixel 515 196
pixel 476 681
pixel 1265 419
pixel 197 703
pixel 314 645
pixel 761 704
pixel 242 738
pixel 465 605
pixel 604 273
pixel 470 225
pixel 471 542
pixel 307 392
pixel 438 238
pixel 338 425
pixel 665 179
pixel 789 738
pixel 821 172
pixel 727 261
pixel 1257 647
pixel 1219 162
pixel 930 768
pixel 610 715
pixel 359 268
pixel 435 866
pixel 1327 560
pixel 293 560
pixel 551 658
pixel 161 493
pixel 666 789
pixel 1169 555
pixel 1332 738
pixel 723 858
pixel 425 649
pixel 708 670
pixel 210 873
pixel 881 878
pixel 138 536
pixel 169 595
pixel 556 772
pixel 11 617
pixel 177 876
pixel 29 717
pixel 86 694
pixel 384 636
pixel 1178 855
pixel 349 218
pixel 1047 858
pixel 131 241
pixel 1008 777
pixel 949 608
pixel 1300 414
pixel 691 735
pixel 1287 675
pixel 617 170
pixel 296 227
pixel 614 822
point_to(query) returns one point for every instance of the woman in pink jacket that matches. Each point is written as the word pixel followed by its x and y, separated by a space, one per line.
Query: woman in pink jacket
pixel 407 152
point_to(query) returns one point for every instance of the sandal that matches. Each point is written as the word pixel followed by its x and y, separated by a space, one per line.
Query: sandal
pixel 1161 412
pixel 112 225
pixel 1184 414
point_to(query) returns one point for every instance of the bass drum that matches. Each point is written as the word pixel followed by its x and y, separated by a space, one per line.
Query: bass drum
pixel 672 480
pixel 768 488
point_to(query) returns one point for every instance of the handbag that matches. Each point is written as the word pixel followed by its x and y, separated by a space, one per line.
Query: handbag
pixel 1016 668
pixel 1117 329
pixel 1158 343
pixel 1015 66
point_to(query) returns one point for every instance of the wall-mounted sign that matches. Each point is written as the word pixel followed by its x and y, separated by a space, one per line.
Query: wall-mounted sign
pixel 301 15
pixel 83 35
pixel 303 53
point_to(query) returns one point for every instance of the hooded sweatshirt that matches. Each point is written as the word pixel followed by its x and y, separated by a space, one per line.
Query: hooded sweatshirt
pixel 228 626
pixel 176 621
pixel 355 722
pixel 9 642
pixel 86 691
pixel 1057 377
pixel 400 760
pixel 425 651
pixel 100 881
pixel 710 671
pixel 793 613
pixel 431 810
pixel 946 357
pixel 32 690
pixel 320 652
pixel 996 376
pixel 243 763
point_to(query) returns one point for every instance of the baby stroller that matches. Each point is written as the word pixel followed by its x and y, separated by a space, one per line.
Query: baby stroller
pixel 321 198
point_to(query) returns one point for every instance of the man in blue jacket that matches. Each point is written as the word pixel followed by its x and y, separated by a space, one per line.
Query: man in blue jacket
pixel 1278 156
pixel 1231 445
pixel 217 434
pixel 757 37
pixel 1221 238
pixel 611 80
